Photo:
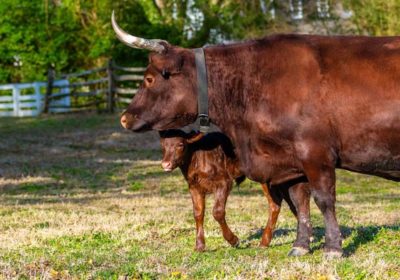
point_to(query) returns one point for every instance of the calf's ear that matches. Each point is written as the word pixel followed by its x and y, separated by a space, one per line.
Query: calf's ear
pixel 194 137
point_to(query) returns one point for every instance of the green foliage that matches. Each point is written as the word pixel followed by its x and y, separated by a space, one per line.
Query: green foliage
pixel 376 17
pixel 69 35
pixel 74 35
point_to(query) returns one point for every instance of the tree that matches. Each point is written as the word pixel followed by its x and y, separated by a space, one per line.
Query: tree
pixel 375 17
pixel 75 35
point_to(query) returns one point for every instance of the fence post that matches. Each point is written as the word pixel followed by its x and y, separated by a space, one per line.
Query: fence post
pixel 16 93
pixel 38 97
pixel 110 90
pixel 50 80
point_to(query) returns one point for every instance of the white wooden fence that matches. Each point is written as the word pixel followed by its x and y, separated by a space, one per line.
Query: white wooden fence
pixel 23 100
pixel 102 89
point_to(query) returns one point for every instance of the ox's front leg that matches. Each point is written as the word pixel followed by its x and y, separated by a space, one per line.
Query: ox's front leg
pixel 320 171
pixel 274 207
pixel 221 196
pixel 198 199
pixel 299 195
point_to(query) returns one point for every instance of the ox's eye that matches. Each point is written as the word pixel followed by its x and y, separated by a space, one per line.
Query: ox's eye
pixel 149 80
pixel 165 74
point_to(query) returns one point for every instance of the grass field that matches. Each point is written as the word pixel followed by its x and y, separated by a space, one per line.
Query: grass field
pixel 82 199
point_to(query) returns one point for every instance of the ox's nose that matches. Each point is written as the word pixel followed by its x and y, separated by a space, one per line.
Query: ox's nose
pixel 127 121
pixel 166 165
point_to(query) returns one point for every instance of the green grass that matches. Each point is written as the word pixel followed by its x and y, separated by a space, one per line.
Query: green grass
pixel 83 199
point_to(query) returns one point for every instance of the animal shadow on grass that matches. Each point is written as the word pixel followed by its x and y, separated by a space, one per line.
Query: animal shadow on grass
pixel 257 236
pixel 362 235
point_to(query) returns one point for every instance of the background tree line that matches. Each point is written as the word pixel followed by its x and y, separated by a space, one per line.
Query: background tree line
pixel 72 35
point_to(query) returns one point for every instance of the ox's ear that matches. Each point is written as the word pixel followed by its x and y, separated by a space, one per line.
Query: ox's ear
pixel 194 136
pixel 171 61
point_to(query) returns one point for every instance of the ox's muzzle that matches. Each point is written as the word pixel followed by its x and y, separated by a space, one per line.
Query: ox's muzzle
pixel 130 122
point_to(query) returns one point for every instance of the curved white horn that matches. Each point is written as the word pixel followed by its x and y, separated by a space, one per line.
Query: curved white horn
pixel 136 42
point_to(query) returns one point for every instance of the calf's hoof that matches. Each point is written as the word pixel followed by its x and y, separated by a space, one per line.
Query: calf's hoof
pixel 333 254
pixel 200 248
pixel 263 244
pixel 235 242
pixel 298 251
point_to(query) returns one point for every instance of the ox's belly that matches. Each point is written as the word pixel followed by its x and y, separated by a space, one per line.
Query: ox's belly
pixel 262 160
pixel 263 168
pixel 377 155
pixel 386 168
pixel 370 140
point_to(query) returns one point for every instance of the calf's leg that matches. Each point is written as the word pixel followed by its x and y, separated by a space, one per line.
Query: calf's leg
pixel 221 196
pixel 198 199
pixel 274 207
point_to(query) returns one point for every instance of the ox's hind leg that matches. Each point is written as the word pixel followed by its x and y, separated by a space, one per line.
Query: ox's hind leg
pixel 274 207
pixel 221 196
pixel 299 196
pixel 198 199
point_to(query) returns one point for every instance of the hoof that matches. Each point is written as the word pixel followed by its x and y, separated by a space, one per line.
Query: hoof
pixel 298 251
pixel 236 243
pixel 200 248
pixel 263 245
pixel 331 255
pixel 265 242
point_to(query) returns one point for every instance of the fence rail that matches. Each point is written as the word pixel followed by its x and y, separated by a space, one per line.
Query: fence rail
pixel 18 103
pixel 107 88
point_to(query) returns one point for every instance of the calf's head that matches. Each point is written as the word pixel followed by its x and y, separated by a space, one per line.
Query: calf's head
pixel 174 145
pixel 167 97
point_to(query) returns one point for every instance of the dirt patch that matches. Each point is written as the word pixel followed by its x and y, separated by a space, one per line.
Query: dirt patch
pixel 23 151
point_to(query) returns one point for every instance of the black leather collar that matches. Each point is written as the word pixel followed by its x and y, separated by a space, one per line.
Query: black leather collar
pixel 202 90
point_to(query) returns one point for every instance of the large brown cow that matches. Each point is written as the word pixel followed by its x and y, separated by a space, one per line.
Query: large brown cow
pixel 291 104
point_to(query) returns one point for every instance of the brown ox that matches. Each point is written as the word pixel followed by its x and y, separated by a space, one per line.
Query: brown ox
pixel 292 105
pixel 210 165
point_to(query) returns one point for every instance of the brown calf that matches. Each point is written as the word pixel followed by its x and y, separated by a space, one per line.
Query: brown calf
pixel 209 165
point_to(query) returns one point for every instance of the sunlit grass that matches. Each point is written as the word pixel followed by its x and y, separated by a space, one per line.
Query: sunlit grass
pixel 91 201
